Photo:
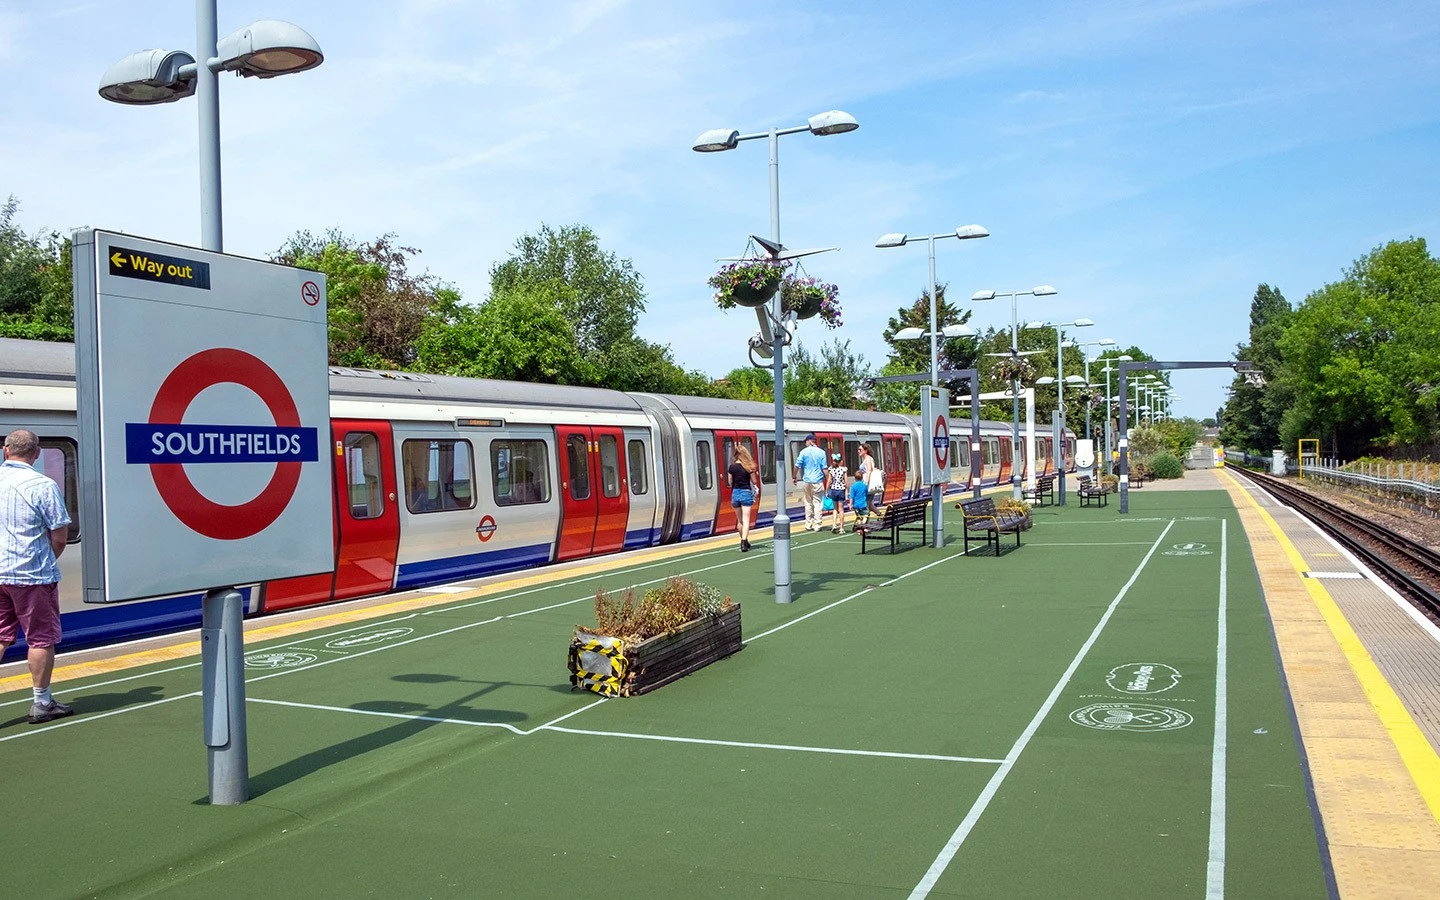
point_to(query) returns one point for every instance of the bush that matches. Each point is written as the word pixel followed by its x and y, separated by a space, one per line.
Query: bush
pixel 1011 505
pixel 1110 482
pixel 1166 465
pixel 657 611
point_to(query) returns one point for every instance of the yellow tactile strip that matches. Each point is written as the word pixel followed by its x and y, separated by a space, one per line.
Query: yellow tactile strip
pixel 1376 778
pixel 256 630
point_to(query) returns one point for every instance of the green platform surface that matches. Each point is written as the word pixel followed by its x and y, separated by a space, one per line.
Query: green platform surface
pixel 910 725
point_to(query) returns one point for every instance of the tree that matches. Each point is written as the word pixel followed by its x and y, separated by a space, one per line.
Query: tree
pixel 518 335
pixel 749 383
pixel 914 355
pixel 1254 411
pixel 36 296
pixel 832 380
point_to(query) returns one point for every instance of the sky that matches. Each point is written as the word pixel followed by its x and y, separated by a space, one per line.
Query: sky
pixel 1154 160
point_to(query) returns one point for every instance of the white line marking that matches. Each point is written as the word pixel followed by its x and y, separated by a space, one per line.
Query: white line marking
pixel 385 715
pixel 1215 868
pixel 947 853
pixel 757 746
pixel 350 656
pixel 63 723
pixel 1087 544
pixel 574 712
pixel 1353 575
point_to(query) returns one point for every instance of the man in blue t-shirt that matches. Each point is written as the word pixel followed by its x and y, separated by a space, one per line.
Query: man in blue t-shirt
pixel 810 475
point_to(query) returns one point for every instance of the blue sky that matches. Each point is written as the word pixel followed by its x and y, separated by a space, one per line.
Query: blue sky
pixel 1153 160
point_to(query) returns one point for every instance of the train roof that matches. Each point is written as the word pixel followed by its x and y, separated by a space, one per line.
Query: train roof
pixel 37 360
pixel 752 409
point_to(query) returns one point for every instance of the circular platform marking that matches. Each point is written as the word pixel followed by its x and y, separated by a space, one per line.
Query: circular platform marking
pixel 486 529
pixel 366 638
pixel 1188 549
pixel 1130 717
pixel 1143 678
pixel 205 369
pixel 278 660
pixel 942 441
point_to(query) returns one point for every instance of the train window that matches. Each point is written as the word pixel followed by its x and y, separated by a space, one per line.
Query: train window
pixel 520 471
pixel 577 458
pixel 609 466
pixel 58 462
pixel 954 453
pixel 439 475
pixel 905 457
pixel 874 448
pixel 767 462
pixel 702 464
pixel 962 454
pixel 638 483
pixel 727 453
pixel 362 475
pixel 749 444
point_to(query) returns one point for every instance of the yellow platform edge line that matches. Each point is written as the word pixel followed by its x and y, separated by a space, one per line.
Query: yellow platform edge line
pixel 1420 759
pixel 140 658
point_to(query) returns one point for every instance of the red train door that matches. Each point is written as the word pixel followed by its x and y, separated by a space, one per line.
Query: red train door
pixel 594 492
pixel 1007 459
pixel 894 466
pixel 366 520
pixel 726 520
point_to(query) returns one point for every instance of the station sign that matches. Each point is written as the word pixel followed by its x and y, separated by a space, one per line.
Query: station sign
pixel 203 405
pixel 935 460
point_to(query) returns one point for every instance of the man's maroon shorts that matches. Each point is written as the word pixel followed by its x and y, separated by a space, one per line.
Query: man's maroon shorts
pixel 34 607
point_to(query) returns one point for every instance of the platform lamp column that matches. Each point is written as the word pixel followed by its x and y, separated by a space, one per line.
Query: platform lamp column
pixel 720 139
pixel 1060 387
pixel 1109 450
pixel 1103 342
pixel 1043 290
pixel 265 49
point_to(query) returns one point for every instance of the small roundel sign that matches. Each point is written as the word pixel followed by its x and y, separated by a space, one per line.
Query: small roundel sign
pixel 942 442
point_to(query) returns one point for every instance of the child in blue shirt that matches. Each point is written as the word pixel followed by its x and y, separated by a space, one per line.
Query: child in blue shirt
pixel 860 499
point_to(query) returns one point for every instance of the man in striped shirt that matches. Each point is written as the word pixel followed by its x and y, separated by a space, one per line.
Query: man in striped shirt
pixel 34 526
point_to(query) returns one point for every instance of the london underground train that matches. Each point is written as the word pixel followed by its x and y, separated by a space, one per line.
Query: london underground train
pixel 439 479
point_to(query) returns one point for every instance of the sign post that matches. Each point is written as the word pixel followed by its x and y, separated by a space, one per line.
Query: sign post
pixel 203 401
pixel 935 460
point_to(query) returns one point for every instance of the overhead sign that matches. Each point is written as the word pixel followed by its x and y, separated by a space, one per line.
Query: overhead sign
pixel 935 414
pixel 204 393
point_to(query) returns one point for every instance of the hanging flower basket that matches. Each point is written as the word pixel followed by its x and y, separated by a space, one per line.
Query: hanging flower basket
pixel 811 297
pixel 1013 368
pixel 749 282
pixel 1088 397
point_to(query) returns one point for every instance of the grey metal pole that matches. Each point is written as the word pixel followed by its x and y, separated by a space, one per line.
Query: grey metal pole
pixel 975 463
pixel 782 472
pixel 222 672
pixel 1124 447
pixel 1014 401
pixel 1089 434
pixel 1059 451
pixel 207 94
pixel 937 491
pixel 1108 468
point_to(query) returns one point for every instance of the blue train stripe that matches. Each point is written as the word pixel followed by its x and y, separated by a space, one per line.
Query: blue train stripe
pixel 470 565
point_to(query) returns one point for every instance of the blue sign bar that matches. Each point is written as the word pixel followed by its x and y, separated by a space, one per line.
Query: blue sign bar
pixel 147 444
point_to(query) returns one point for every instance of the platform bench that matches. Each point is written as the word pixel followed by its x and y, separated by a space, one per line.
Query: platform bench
pixel 982 518
pixel 902 515
pixel 1090 492
pixel 1044 487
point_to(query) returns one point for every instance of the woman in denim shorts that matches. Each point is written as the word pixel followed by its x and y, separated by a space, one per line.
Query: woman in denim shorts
pixel 742 480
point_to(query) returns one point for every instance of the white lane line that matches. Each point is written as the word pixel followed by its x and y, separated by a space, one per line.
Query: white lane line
pixel 1215 868
pixel 757 746
pixel 65 723
pixel 573 712
pixel 1088 544
pixel 947 853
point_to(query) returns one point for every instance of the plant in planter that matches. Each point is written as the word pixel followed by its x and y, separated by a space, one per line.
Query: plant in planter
pixel 1016 507
pixel 1013 368
pixel 749 282
pixel 1110 483
pixel 809 297
pixel 639 645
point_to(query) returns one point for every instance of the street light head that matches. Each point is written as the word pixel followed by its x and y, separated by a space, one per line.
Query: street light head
pixel 1125 357
pixel 893 239
pixel 909 334
pixel 957 330
pixel 1030 325
pixel 1075 379
pixel 832 122
pixel 268 48
pixel 1106 342
pixel 966 232
pixel 1068 344
pixel 1044 290
pixel 149 77
pixel 1045 379
pixel 1083 323
pixel 982 295
pixel 716 139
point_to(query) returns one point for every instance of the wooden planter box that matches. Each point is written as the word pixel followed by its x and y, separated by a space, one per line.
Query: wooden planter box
pixel 612 667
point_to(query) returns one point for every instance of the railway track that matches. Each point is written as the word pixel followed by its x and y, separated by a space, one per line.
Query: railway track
pixel 1411 568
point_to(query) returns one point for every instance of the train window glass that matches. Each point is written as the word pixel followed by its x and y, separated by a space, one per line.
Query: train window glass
pixel 638 483
pixel 954 454
pixel 852 455
pixel 577 458
pixel 609 466
pixel 874 448
pixel 362 475
pixel 905 457
pixel 767 462
pixel 59 462
pixel 439 475
pixel 703 467
pixel 962 454
pixel 520 471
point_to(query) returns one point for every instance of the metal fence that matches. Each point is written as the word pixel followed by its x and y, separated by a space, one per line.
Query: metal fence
pixel 1408 482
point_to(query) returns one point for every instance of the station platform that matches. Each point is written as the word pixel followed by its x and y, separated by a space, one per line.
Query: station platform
pixel 1197 698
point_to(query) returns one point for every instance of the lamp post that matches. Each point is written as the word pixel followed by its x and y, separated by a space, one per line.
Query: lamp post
pixel 719 139
pixel 1124 357
pixel 1103 342
pixel 900 239
pixel 264 49
pixel 1060 387
pixel 1043 290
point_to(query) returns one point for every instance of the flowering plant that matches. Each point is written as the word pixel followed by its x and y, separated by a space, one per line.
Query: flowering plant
pixel 1088 397
pixel 808 297
pixel 749 282
pixel 1013 368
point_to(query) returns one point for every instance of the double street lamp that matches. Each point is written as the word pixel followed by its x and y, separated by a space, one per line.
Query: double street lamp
pixel 1124 357
pixel 1060 344
pixel 719 139
pixel 1043 290
pixel 1103 342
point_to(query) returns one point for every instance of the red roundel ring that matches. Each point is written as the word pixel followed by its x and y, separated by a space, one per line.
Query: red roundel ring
pixel 942 453
pixel 222 365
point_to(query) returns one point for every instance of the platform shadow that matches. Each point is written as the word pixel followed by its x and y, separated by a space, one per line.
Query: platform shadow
pixel 89 704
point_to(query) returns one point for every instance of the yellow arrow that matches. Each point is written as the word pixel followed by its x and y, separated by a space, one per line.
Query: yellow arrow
pixel 116 259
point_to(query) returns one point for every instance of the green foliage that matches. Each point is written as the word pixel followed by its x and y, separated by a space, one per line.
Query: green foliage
pixel 36 298
pixel 749 383
pixel 832 380
pixel 657 611
pixel 1146 442
pixel 914 355
pixel 518 335
pixel 761 276
pixel 1166 465
pixel 1179 434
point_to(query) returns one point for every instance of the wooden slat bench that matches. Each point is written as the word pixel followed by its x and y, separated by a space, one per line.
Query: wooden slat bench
pixel 1090 492
pixel 981 517
pixel 902 515
pixel 1044 487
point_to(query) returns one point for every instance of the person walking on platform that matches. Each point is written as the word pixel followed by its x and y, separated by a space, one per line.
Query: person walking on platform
pixel 837 484
pixel 810 474
pixel 741 477
pixel 34 526
pixel 860 500
pixel 874 478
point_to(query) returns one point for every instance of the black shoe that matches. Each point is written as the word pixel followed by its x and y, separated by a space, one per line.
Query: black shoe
pixel 744 546
pixel 44 713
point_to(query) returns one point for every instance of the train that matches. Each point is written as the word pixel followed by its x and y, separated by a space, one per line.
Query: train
pixel 439 479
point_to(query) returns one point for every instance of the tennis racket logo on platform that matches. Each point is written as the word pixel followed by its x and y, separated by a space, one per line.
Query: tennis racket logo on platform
pixel 1130 717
